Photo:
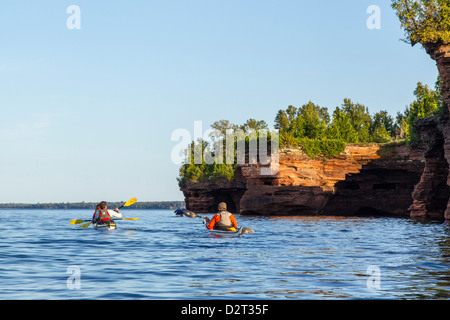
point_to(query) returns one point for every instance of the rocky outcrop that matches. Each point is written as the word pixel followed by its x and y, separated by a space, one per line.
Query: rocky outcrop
pixel 364 179
pixel 441 54
pixel 204 196
pixel 383 186
pixel 302 185
pixel 431 194
pixel 350 184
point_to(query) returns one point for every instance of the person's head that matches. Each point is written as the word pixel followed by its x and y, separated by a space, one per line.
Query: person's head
pixel 102 205
pixel 222 206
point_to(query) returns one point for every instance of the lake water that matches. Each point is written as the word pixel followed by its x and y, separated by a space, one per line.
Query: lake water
pixel 162 256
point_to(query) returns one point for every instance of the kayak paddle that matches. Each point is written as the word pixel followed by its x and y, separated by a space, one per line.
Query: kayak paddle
pixel 78 221
pixel 128 203
pixel 86 225
pixel 89 223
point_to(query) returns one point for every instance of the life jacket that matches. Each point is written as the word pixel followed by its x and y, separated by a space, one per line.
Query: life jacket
pixel 225 221
pixel 104 216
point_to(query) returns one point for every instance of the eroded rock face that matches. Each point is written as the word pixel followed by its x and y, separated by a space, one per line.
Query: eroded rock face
pixel 301 185
pixel 382 187
pixel 431 194
pixel 441 54
pixel 364 179
pixel 445 129
pixel 204 197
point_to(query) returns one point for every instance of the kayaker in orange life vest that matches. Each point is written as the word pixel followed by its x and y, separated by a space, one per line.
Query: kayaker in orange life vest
pixel 223 220
pixel 103 215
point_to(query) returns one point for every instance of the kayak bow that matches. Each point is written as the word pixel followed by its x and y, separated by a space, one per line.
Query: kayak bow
pixel 226 233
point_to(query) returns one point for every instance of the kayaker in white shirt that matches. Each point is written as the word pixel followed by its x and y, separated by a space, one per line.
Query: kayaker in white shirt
pixel 103 215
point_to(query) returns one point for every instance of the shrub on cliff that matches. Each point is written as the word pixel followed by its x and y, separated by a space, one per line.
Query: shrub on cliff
pixel 428 102
pixel 204 172
pixel 195 168
pixel 325 147
pixel 308 121
pixel 380 134
pixel 351 123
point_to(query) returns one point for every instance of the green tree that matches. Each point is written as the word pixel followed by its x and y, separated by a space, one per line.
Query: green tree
pixel 341 127
pixel 310 121
pixel 427 103
pixel 313 119
pixel 424 21
pixel 359 118
pixel 252 124
pixel 286 120
pixel 402 124
pixel 223 125
pixel 380 134
pixel 192 171
pixel 281 120
pixel 382 127
pixel 384 118
pixel 428 22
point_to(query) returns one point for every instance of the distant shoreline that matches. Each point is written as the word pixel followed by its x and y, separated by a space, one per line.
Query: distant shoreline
pixel 91 205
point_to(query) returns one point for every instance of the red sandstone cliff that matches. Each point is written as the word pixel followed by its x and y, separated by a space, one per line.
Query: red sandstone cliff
pixel 436 168
pixel 431 194
pixel 364 179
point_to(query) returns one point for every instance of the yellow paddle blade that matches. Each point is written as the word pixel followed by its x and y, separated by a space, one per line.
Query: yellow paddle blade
pixel 77 221
pixel 130 202
pixel 130 218
pixel 85 225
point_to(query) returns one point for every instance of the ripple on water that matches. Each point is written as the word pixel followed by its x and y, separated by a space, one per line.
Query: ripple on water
pixel 162 257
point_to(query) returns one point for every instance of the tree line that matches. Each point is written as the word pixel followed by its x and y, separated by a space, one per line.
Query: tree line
pixel 312 128
pixel 92 205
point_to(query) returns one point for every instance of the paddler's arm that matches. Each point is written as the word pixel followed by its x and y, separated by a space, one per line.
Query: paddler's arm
pixel 211 223
pixel 233 220
pixel 95 216
pixel 115 214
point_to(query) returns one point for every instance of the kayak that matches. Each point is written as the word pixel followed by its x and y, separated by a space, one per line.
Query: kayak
pixel 105 226
pixel 226 233
pixel 189 214
pixel 178 212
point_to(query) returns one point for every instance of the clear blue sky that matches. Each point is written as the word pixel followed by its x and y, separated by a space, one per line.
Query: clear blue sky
pixel 87 115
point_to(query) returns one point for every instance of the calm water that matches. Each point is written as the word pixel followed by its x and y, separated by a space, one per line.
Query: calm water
pixel 162 256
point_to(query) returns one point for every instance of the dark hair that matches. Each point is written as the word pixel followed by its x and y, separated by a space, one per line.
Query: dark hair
pixel 102 205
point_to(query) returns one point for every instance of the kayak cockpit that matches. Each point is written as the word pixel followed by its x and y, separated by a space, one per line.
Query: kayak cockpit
pixel 105 226
pixel 226 233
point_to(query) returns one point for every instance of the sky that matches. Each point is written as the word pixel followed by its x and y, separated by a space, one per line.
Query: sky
pixel 87 113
